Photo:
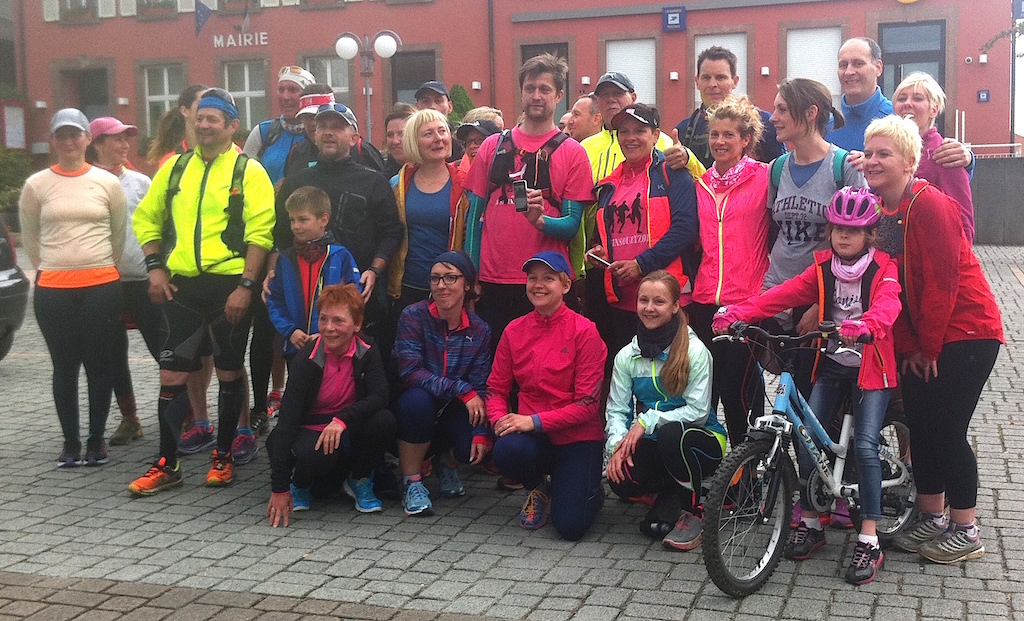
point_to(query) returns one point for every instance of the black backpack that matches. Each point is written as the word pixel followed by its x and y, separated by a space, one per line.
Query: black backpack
pixel 536 172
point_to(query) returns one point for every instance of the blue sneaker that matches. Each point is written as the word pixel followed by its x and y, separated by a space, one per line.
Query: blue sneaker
pixel 244 448
pixel 197 439
pixel 361 490
pixel 451 485
pixel 536 508
pixel 301 498
pixel 417 500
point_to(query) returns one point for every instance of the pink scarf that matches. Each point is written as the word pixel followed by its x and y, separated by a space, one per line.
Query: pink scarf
pixel 852 273
pixel 721 181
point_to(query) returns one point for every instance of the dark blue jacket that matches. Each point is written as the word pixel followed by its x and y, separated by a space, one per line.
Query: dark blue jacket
pixel 286 305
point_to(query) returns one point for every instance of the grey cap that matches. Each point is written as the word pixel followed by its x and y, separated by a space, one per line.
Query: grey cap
pixel 69 117
pixel 339 110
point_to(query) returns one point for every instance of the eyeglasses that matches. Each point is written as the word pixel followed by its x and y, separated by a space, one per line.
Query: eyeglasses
pixel 218 93
pixel 449 279
pixel 292 69
pixel 337 107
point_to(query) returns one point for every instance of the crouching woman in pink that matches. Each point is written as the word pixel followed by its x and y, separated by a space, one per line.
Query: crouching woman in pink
pixel 554 442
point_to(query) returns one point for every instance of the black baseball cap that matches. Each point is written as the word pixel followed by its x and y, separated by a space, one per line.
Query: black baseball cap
pixel 618 79
pixel 645 114
pixel 435 86
pixel 484 126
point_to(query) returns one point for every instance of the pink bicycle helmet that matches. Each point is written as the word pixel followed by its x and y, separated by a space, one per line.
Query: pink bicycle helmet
pixel 854 207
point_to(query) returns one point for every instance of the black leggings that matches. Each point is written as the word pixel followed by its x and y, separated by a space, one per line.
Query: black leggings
pixel 680 461
pixel 79 326
pixel 939 412
pixel 261 352
pixel 736 379
pixel 148 319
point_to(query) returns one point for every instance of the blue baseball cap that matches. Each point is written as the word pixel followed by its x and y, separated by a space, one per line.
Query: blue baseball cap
pixel 555 260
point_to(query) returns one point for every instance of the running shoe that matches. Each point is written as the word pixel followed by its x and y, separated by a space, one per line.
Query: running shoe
pixel 925 530
pixel 199 438
pixel 534 513
pixel 71 455
pixel 274 402
pixel 417 500
pixel 953 546
pixel 803 542
pixel 157 478
pixel 245 447
pixel 451 484
pixel 301 498
pixel 222 472
pixel 258 421
pixel 95 453
pixel 687 533
pixel 361 490
pixel 864 564
pixel 129 429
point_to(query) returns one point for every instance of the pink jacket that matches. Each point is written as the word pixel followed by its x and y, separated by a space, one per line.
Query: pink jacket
pixel 954 182
pixel 878 366
pixel 558 363
pixel 733 238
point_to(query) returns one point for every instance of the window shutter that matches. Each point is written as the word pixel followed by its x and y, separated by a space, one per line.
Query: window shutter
pixel 635 58
pixel 270 3
pixel 129 7
pixel 106 8
pixel 811 53
pixel 51 10
pixel 186 6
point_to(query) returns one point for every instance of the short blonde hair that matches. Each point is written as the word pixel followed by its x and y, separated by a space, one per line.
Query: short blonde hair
pixel 740 109
pixel 903 133
pixel 927 83
pixel 411 136
pixel 484 113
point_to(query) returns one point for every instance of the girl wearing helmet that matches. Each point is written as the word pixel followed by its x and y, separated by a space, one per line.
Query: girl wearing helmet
pixel 855 286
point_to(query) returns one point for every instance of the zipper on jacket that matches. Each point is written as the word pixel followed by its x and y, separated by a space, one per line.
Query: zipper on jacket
pixel 198 236
pixel 721 251
pixel 654 380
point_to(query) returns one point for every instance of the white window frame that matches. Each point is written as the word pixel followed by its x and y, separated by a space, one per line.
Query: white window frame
pixel 342 94
pixel 730 41
pixel 647 85
pixel 245 97
pixel 813 53
pixel 169 99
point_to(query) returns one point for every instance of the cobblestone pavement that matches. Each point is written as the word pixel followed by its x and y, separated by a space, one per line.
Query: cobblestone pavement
pixel 73 544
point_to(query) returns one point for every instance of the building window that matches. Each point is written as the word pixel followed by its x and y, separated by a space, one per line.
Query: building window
pixel 161 86
pixel 735 42
pixel 408 71
pixel 635 58
pixel 332 71
pixel 245 80
pixel 907 48
pixel 561 50
pixel 813 53
pixel 77 9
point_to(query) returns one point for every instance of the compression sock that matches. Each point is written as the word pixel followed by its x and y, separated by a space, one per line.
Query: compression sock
pixel 171 409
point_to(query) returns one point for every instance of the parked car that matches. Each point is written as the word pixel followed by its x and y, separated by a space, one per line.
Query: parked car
pixel 13 291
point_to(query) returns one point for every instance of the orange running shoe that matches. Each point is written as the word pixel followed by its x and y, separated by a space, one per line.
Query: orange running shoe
pixel 157 478
pixel 222 472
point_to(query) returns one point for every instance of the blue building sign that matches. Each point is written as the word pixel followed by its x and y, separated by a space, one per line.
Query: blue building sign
pixel 673 18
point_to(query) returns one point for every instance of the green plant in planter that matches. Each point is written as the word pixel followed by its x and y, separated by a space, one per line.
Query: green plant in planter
pixel 15 167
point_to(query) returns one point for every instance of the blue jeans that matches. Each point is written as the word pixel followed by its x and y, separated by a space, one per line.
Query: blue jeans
pixel 575 469
pixel 869 408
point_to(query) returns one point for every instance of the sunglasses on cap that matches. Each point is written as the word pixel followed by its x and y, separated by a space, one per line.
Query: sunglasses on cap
pixel 293 69
pixel 218 93
pixel 337 107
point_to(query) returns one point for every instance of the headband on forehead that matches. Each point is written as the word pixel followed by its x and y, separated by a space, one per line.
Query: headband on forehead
pixel 219 104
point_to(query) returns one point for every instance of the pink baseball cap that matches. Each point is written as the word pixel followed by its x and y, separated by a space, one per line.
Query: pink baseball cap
pixel 109 126
pixel 310 104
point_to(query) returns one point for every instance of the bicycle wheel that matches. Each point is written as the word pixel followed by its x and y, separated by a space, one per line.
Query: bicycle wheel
pixel 899 503
pixel 746 517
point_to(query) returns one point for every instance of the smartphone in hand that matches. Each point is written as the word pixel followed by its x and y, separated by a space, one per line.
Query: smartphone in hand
pixel 599 259
pixel 519 193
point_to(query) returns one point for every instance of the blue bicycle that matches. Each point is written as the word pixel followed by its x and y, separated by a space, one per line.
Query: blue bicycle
pixel 749 505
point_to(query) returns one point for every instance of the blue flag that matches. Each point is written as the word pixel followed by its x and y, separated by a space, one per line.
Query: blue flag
pixel 203 14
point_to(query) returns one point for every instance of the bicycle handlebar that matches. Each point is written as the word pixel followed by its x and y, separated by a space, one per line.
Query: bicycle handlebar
pixel 826 330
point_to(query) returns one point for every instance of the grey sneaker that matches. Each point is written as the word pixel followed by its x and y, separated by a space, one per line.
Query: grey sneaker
pixel 451 484
pixel 687 533
pixel 923 531
pixel 953 546
pixel 129 429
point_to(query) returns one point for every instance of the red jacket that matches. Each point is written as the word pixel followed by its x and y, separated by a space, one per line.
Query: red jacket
pixel 733 238
pixel 946 296
pixel 878 366
pixel 558 363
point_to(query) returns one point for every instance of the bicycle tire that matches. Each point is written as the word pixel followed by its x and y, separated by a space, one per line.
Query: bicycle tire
pixel 741 550
pixel 899 504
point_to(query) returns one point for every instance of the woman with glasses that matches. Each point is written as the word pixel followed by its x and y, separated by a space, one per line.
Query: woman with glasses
pixel 443 358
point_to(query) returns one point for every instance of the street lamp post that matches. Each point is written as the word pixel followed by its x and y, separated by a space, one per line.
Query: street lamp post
pixel 348 45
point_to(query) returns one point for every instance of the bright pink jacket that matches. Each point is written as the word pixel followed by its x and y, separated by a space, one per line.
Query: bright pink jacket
pixel 558 363
pixel 733 238
pixel 878 366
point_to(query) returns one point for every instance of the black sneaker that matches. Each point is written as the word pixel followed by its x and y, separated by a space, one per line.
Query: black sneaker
pixel 96 453
pixel 71 456
pixel 803 541
pixel 864 564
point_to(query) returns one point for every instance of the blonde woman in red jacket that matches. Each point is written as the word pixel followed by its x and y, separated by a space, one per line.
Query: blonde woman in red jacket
pixel 947 338
pixel 855 286
pixel 554 444
pixel 731 199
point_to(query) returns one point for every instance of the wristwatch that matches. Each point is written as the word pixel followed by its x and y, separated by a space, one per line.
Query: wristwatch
pixel 247 283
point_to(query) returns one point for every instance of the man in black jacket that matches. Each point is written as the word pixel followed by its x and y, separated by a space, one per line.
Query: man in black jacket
pixel 364 215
